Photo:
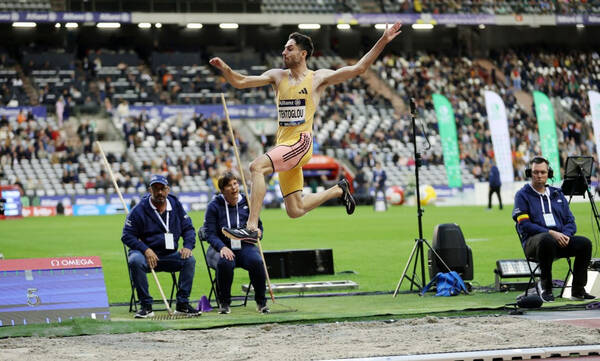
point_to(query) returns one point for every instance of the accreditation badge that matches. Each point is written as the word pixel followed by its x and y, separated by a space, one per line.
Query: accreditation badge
pixel 169 241
pixel 549 220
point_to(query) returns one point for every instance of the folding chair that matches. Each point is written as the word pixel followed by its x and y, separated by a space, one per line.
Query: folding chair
pixel 133 301
pixel 534 270
pixel 210 268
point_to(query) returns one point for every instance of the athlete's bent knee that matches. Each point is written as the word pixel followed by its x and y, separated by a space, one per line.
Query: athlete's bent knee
pixel 294 212
pixel 261 165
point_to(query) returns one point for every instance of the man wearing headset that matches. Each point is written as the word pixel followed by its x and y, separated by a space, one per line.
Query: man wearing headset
pixel 547 228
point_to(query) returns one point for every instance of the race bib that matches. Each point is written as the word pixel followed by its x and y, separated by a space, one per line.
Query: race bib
pixel 291 112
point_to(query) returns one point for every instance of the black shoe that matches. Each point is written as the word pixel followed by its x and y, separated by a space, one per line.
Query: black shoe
pixel 144 312
pixel 224 309
pixel 187 309
pixel 582 296
pixel 346 197
pixel 262 307
pixel 243 234
pixel 546 295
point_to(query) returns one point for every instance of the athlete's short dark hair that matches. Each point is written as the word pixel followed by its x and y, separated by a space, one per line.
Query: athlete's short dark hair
pixel 304 42
pixel 225 179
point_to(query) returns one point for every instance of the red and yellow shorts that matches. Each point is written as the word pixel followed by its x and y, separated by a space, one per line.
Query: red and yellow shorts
pixel 288 159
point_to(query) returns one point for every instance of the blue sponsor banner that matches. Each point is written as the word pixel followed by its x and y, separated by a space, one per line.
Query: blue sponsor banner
pixel 12 112
pixel 447 192
pixel 254 111
pixel 98 199
pixel 194 201
pixel 97 209
pixel 66 17
pixel 52 201
pixel 569 19
pixel 115 200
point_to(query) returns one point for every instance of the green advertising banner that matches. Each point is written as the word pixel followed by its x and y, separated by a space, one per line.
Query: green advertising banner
pixel 447 126
pixel 547 127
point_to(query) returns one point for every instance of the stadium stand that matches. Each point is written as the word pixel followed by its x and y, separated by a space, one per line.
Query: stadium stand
pixel 462 80
pixel 498 7
pixel 11 84
pixel 30 5
pixel 355 122
pixel 310 6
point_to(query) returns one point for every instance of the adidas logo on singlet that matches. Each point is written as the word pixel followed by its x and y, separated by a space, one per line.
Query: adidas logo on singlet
pixel 303 91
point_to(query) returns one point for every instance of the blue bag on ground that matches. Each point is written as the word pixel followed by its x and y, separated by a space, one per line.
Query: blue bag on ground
pixel 447 284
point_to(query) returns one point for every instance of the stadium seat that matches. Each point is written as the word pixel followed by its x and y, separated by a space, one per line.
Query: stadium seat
pixel 211 266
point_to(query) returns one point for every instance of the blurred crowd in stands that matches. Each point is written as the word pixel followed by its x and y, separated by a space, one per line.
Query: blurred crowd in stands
pixel 565 76
pixel 354 121
pixel 499 7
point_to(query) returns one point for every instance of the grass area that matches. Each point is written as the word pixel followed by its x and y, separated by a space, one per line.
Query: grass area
pixel 375 245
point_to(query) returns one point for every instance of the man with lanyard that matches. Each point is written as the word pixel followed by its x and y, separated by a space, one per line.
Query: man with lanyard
pixel 298 91
pixel 152 232
pixel 230 209
pixel 547 228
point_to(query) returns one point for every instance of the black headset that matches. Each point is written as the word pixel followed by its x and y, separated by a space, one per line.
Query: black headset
pixel 538 160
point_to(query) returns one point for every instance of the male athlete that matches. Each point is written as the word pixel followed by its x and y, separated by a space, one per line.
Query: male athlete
pixel 298 91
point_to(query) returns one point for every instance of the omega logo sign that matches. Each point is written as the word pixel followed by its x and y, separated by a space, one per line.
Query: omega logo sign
pixel 72 262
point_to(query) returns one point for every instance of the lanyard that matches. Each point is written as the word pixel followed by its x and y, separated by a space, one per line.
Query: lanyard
pixel 237 213
pixel 166 225
pixel 549 203
pixel 547 194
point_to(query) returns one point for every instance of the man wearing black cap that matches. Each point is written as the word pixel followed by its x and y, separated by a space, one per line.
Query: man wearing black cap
pixel 152 232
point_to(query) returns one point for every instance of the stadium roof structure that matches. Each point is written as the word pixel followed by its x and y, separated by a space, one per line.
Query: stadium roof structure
pixel 276 19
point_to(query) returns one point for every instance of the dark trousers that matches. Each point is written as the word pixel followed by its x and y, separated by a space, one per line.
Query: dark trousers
pixel 169 263
pixel 494 189
pixel 545 249
pixel 247 258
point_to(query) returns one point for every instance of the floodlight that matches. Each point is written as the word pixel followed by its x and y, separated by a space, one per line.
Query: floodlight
pixel 309 26
pixel 228 26
pixel 24 24
pixel 108 25
pixel 422 26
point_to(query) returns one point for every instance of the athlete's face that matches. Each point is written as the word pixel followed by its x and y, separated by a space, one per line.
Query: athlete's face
pixel 292 54
pixel 231 191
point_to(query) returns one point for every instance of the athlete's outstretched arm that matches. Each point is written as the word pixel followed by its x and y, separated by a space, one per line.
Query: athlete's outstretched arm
pixel 240 81
pixel 331 77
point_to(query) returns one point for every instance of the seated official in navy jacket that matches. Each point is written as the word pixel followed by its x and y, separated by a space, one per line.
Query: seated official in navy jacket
pixel 547 228
pixel 152 231
pixel 230 209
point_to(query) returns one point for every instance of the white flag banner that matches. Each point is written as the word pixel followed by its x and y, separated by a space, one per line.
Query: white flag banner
pixel 496 113
pixel 595 108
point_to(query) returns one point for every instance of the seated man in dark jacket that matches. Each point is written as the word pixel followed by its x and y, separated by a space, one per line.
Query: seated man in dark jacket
pixel 152 232
pixel 230 209
pixel 547 228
